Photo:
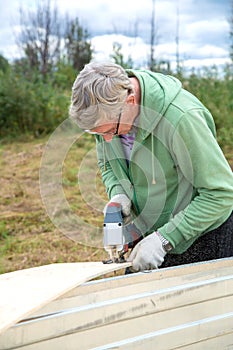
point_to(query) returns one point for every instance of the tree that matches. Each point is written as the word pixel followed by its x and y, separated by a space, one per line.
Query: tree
pixel 152 38
pixel 118 56
pixel 154 64
pixel 4 64
pixel 231 32
pixel 178 70
pixel 40 36
pixel 77 44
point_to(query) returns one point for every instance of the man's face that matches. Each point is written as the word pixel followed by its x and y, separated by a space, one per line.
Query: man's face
pixel 123 123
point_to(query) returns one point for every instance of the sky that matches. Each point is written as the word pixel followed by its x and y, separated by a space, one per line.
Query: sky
pixel 203 29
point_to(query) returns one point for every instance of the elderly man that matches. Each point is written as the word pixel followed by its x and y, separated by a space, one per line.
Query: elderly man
pixel 160 160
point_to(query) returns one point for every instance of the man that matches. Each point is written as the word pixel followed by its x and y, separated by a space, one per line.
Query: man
pixel 160 160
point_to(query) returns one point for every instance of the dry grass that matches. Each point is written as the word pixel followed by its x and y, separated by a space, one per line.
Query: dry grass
pixel 28 238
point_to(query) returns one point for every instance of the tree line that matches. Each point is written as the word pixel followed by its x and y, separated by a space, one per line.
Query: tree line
pixel 48 39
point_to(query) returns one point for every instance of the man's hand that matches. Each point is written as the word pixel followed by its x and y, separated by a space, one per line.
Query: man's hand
pixel 124 201
pixel 148 254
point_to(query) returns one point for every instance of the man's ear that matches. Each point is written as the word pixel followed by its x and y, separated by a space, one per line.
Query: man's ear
pixel 131 99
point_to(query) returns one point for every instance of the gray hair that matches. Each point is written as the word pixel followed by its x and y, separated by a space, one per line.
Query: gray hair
pixel 98 94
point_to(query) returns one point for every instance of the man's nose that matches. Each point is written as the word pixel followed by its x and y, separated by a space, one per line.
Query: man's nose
pixel 108 138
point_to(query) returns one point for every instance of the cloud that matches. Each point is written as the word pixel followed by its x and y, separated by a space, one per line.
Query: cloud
pixel 203 27
pixel 135 48
pixel 139 51
pixel 213 30
pixel 8 48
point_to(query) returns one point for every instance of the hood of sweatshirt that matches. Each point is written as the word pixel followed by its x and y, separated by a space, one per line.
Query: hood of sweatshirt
pixel 157 93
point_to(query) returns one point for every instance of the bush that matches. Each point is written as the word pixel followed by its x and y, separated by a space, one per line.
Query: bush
pixel 216 93
pixel 29 106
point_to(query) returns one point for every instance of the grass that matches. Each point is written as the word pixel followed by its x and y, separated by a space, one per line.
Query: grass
pixel 28 237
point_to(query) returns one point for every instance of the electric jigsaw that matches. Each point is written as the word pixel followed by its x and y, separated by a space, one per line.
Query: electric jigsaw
pixel 119 237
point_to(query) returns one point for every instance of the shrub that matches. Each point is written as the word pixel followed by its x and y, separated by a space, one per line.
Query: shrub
pixel 30 106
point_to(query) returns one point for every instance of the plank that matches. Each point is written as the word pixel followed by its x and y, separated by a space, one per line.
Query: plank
pixel 185 335
pixel 170 302
pixel 122 286
pixel 25 291
pixel 223 342
pixel 185 311
pixel 184 272
pixel 158 323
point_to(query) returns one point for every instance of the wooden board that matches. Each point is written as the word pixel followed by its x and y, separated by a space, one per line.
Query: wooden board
pixel 25 291
pixel 125 286
pixel 188 307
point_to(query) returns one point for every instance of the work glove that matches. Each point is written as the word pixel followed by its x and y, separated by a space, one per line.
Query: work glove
pixel 124 201
pixel 148 254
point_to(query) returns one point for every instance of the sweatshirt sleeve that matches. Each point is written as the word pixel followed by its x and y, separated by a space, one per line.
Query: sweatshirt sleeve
pixel 202 163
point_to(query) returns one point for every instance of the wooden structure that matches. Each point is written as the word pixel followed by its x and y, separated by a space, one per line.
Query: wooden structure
pixel 187 308
pixel 27 290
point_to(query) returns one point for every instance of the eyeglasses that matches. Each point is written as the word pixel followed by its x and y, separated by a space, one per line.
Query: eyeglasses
pixel 118 124
pixel 107 132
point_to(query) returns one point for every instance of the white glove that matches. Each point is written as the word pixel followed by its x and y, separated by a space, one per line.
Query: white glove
pixel 148 254
pixel 123 200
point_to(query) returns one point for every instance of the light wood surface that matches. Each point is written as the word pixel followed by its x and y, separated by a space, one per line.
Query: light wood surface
pixel 188 307
pixel 24 291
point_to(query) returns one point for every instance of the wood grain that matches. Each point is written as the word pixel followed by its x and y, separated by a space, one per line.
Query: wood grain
pixel 24 291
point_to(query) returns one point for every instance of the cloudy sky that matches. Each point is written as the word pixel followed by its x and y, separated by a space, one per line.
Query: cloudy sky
pixel 203 28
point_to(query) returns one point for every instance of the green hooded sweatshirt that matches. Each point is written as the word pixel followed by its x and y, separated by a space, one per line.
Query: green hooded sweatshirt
pixel 178 178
